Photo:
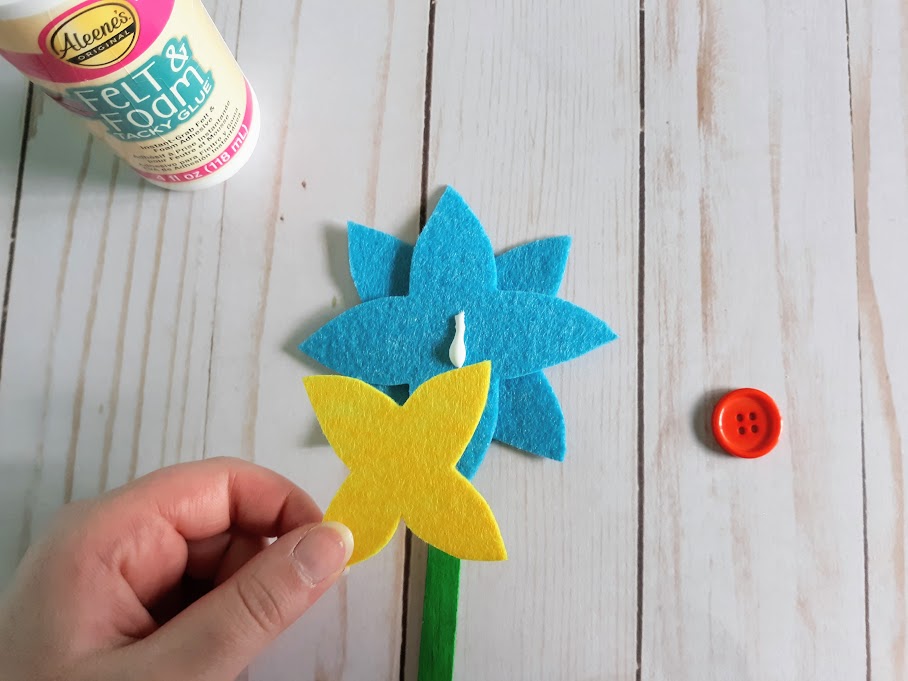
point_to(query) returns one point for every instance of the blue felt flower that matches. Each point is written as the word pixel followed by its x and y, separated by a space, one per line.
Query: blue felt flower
pixel 394 339
pixel 529 415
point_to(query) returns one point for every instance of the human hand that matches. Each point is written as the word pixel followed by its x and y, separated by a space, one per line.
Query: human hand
pixel 170 577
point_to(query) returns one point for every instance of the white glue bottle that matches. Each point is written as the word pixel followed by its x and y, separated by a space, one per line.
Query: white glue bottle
pixel 152 78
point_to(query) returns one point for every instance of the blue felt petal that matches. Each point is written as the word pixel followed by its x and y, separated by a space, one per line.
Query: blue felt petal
pixel 536 267
pixel 379 262
pixel 476 451
pixel 526 332
pixel 453 253
pixel 382 342
pixel 397 340
pixel 398 393
pixel 530 418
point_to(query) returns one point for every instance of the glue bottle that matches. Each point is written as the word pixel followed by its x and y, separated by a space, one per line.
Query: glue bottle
pixel 152 78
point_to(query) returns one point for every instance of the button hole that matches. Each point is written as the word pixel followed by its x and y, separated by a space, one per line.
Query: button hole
pixel 742 430
pixel 755 429
pixel 753 416
pixel 740 417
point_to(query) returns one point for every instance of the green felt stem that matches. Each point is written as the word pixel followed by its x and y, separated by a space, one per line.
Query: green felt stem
pixel 439 617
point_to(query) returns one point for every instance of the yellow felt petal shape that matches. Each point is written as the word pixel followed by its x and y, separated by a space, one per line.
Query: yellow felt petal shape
pixel 402 461
pixel 348 412
pixel 455 518
pixel 359 505
pixel 452 402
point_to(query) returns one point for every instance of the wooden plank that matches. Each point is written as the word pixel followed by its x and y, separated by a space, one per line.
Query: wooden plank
pixel 342 88
pixel 104 269
pixel 752 569
pixel 534 119
pixel 12 112
pixel 879 86
pixel 121 292
pixel 105 370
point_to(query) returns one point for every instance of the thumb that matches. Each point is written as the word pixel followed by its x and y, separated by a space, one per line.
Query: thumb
pixel 216 637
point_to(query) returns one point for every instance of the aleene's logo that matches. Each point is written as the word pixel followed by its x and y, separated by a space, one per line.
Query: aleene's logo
pixel 99 35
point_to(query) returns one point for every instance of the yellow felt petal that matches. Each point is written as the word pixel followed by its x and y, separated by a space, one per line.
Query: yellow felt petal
pixel 351 413
pixel 360 505
pixel 448 408
pixel 402 462
pixel 452 516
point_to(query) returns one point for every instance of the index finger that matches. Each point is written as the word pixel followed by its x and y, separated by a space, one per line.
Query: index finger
pixel 203 498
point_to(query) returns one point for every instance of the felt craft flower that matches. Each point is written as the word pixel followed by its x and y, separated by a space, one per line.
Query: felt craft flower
pixel 405 340
pixel 529 415
pixel 402 462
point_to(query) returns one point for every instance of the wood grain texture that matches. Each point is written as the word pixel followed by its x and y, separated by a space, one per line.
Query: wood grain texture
pixel 148 327
pixel 13 98
pixel 105 370
pixel 879 86
pixel 752 569
pixel 342 139
pixel 534 119
pixel 110 289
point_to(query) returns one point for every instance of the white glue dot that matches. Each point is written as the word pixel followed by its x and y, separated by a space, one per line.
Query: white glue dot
pixel 458 350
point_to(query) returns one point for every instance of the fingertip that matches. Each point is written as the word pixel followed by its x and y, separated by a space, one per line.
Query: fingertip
pixel 323 552
pixel 344 533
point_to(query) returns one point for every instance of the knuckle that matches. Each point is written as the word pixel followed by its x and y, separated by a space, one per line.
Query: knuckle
pixel 262 604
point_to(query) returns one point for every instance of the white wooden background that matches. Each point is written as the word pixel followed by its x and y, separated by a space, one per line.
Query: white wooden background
pixel 735 177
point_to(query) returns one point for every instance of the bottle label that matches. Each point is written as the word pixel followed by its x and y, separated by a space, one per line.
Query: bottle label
pixel 151 77
pixel 97 35
pixel 89 39
pixel 152 101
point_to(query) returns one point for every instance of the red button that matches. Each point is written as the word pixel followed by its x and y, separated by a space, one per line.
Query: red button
pixel 747 423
